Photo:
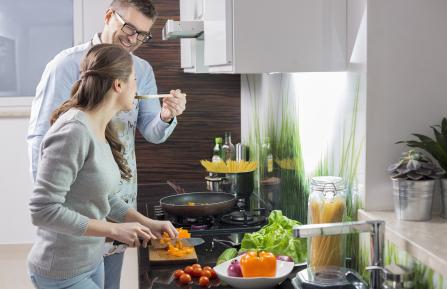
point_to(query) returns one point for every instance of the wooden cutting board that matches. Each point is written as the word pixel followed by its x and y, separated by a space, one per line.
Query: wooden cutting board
pixel 161 257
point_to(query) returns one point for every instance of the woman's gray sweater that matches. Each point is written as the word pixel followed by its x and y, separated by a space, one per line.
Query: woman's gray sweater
pixel 76 181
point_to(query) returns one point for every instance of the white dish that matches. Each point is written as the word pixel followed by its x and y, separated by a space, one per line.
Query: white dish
pixel 283 270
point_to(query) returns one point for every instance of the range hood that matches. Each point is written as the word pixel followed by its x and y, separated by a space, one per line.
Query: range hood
pixel 182 29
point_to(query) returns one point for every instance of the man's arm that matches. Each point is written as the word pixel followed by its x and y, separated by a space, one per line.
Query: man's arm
pixel 53 89
pixel 150 124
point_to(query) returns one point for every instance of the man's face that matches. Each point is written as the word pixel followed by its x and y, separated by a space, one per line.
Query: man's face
pixel 120 25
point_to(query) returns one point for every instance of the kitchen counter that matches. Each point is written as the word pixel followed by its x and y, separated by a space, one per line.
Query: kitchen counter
pixel 160 276
pixel 426 241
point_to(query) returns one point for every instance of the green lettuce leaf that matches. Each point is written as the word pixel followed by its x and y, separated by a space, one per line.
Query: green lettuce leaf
pixel 277 237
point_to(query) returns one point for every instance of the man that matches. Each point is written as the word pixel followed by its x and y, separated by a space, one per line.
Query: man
pixel 126 23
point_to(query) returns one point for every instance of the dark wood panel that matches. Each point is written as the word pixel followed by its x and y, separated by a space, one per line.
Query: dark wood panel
pixel 213 107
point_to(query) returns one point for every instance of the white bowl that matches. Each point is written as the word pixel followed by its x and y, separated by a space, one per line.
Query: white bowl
pixel 283 269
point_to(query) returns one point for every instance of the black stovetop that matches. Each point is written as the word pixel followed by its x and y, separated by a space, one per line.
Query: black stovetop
pixel 235 221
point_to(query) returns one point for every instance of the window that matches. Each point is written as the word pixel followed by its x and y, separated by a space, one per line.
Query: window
pixel 31 34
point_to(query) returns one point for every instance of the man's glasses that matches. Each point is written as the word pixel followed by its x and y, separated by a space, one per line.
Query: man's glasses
pixel 130 30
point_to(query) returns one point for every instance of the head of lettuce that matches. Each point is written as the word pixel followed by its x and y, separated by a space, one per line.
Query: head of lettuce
pixel 276 237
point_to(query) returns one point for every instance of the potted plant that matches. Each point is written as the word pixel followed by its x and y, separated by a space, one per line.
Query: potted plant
pixel 413 186
pixel 437 148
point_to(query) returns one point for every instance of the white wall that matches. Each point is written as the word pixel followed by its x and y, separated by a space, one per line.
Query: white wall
pixel 407 83
pixel 15 180
pixel 89 18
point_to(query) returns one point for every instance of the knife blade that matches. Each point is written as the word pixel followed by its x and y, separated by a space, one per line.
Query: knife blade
pixel 188 242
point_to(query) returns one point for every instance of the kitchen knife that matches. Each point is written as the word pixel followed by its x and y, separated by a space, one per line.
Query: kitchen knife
pixel 188 242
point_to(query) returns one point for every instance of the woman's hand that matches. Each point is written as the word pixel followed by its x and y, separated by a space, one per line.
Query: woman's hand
pixel 158 227
pixel 131 234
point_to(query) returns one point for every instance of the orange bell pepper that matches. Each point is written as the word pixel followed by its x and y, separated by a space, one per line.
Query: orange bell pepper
pixel 183 233
pixel 258 264
pixel 177 250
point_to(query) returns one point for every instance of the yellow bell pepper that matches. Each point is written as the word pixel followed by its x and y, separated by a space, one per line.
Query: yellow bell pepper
pixel 258 264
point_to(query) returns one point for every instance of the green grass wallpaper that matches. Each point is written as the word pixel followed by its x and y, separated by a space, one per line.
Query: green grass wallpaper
pixel 275 109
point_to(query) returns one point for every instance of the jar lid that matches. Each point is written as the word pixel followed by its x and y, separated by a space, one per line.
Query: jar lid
pixel 324 183
pixel 397 273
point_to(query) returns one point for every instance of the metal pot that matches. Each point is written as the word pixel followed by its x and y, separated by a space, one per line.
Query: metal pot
pixel 444 198
pixel 213 183
pixel 239 184
pixel 413 199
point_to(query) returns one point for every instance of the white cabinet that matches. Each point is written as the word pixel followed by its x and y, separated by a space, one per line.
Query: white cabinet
pixel 192 48
pixel 218 30
pixel 257 36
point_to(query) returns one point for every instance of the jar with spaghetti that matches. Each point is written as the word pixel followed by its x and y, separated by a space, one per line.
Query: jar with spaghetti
pixel 327 204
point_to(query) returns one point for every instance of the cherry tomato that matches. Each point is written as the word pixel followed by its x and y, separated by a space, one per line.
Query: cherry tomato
pixel 207 268
pixel 204 281
pixel 178 273
pixel 207 273
pixel 196 266
pixel 185 278
pixel 213 273
pixel 197 272
pixel 188 270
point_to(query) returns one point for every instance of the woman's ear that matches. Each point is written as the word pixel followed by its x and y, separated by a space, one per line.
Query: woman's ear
pixel 116 85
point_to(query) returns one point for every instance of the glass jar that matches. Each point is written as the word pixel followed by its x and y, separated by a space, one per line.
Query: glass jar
pixel 327 204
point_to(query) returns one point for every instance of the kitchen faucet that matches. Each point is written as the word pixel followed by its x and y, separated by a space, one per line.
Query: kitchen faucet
pixel 376 229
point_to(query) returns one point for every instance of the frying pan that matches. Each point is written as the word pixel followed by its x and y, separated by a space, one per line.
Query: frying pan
pixel 198 204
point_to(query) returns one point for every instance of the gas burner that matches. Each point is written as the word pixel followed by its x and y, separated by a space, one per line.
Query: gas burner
pixel 199 227
pixel 191 220
pixel 243 218
pixel 199 223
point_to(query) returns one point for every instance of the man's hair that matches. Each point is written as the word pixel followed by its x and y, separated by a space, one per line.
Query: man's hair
pixel 144 6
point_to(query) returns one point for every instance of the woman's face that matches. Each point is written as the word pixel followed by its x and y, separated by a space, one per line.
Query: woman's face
pixel 129 91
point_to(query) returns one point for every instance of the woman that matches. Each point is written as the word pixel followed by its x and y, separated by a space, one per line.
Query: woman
pixel 80 168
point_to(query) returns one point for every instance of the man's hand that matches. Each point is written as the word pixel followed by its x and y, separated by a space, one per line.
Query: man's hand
pixel 173 105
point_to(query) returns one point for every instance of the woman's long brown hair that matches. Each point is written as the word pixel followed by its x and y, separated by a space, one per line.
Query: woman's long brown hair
pixel 103 64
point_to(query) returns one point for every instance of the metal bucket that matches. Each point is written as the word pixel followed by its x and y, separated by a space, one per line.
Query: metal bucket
pixel 413 199
pixel 444 198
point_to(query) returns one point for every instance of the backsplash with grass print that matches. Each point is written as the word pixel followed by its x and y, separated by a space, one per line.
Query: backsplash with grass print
pixel 314 124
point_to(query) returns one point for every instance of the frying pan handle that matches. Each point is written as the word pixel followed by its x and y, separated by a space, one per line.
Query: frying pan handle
pixel 179 190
